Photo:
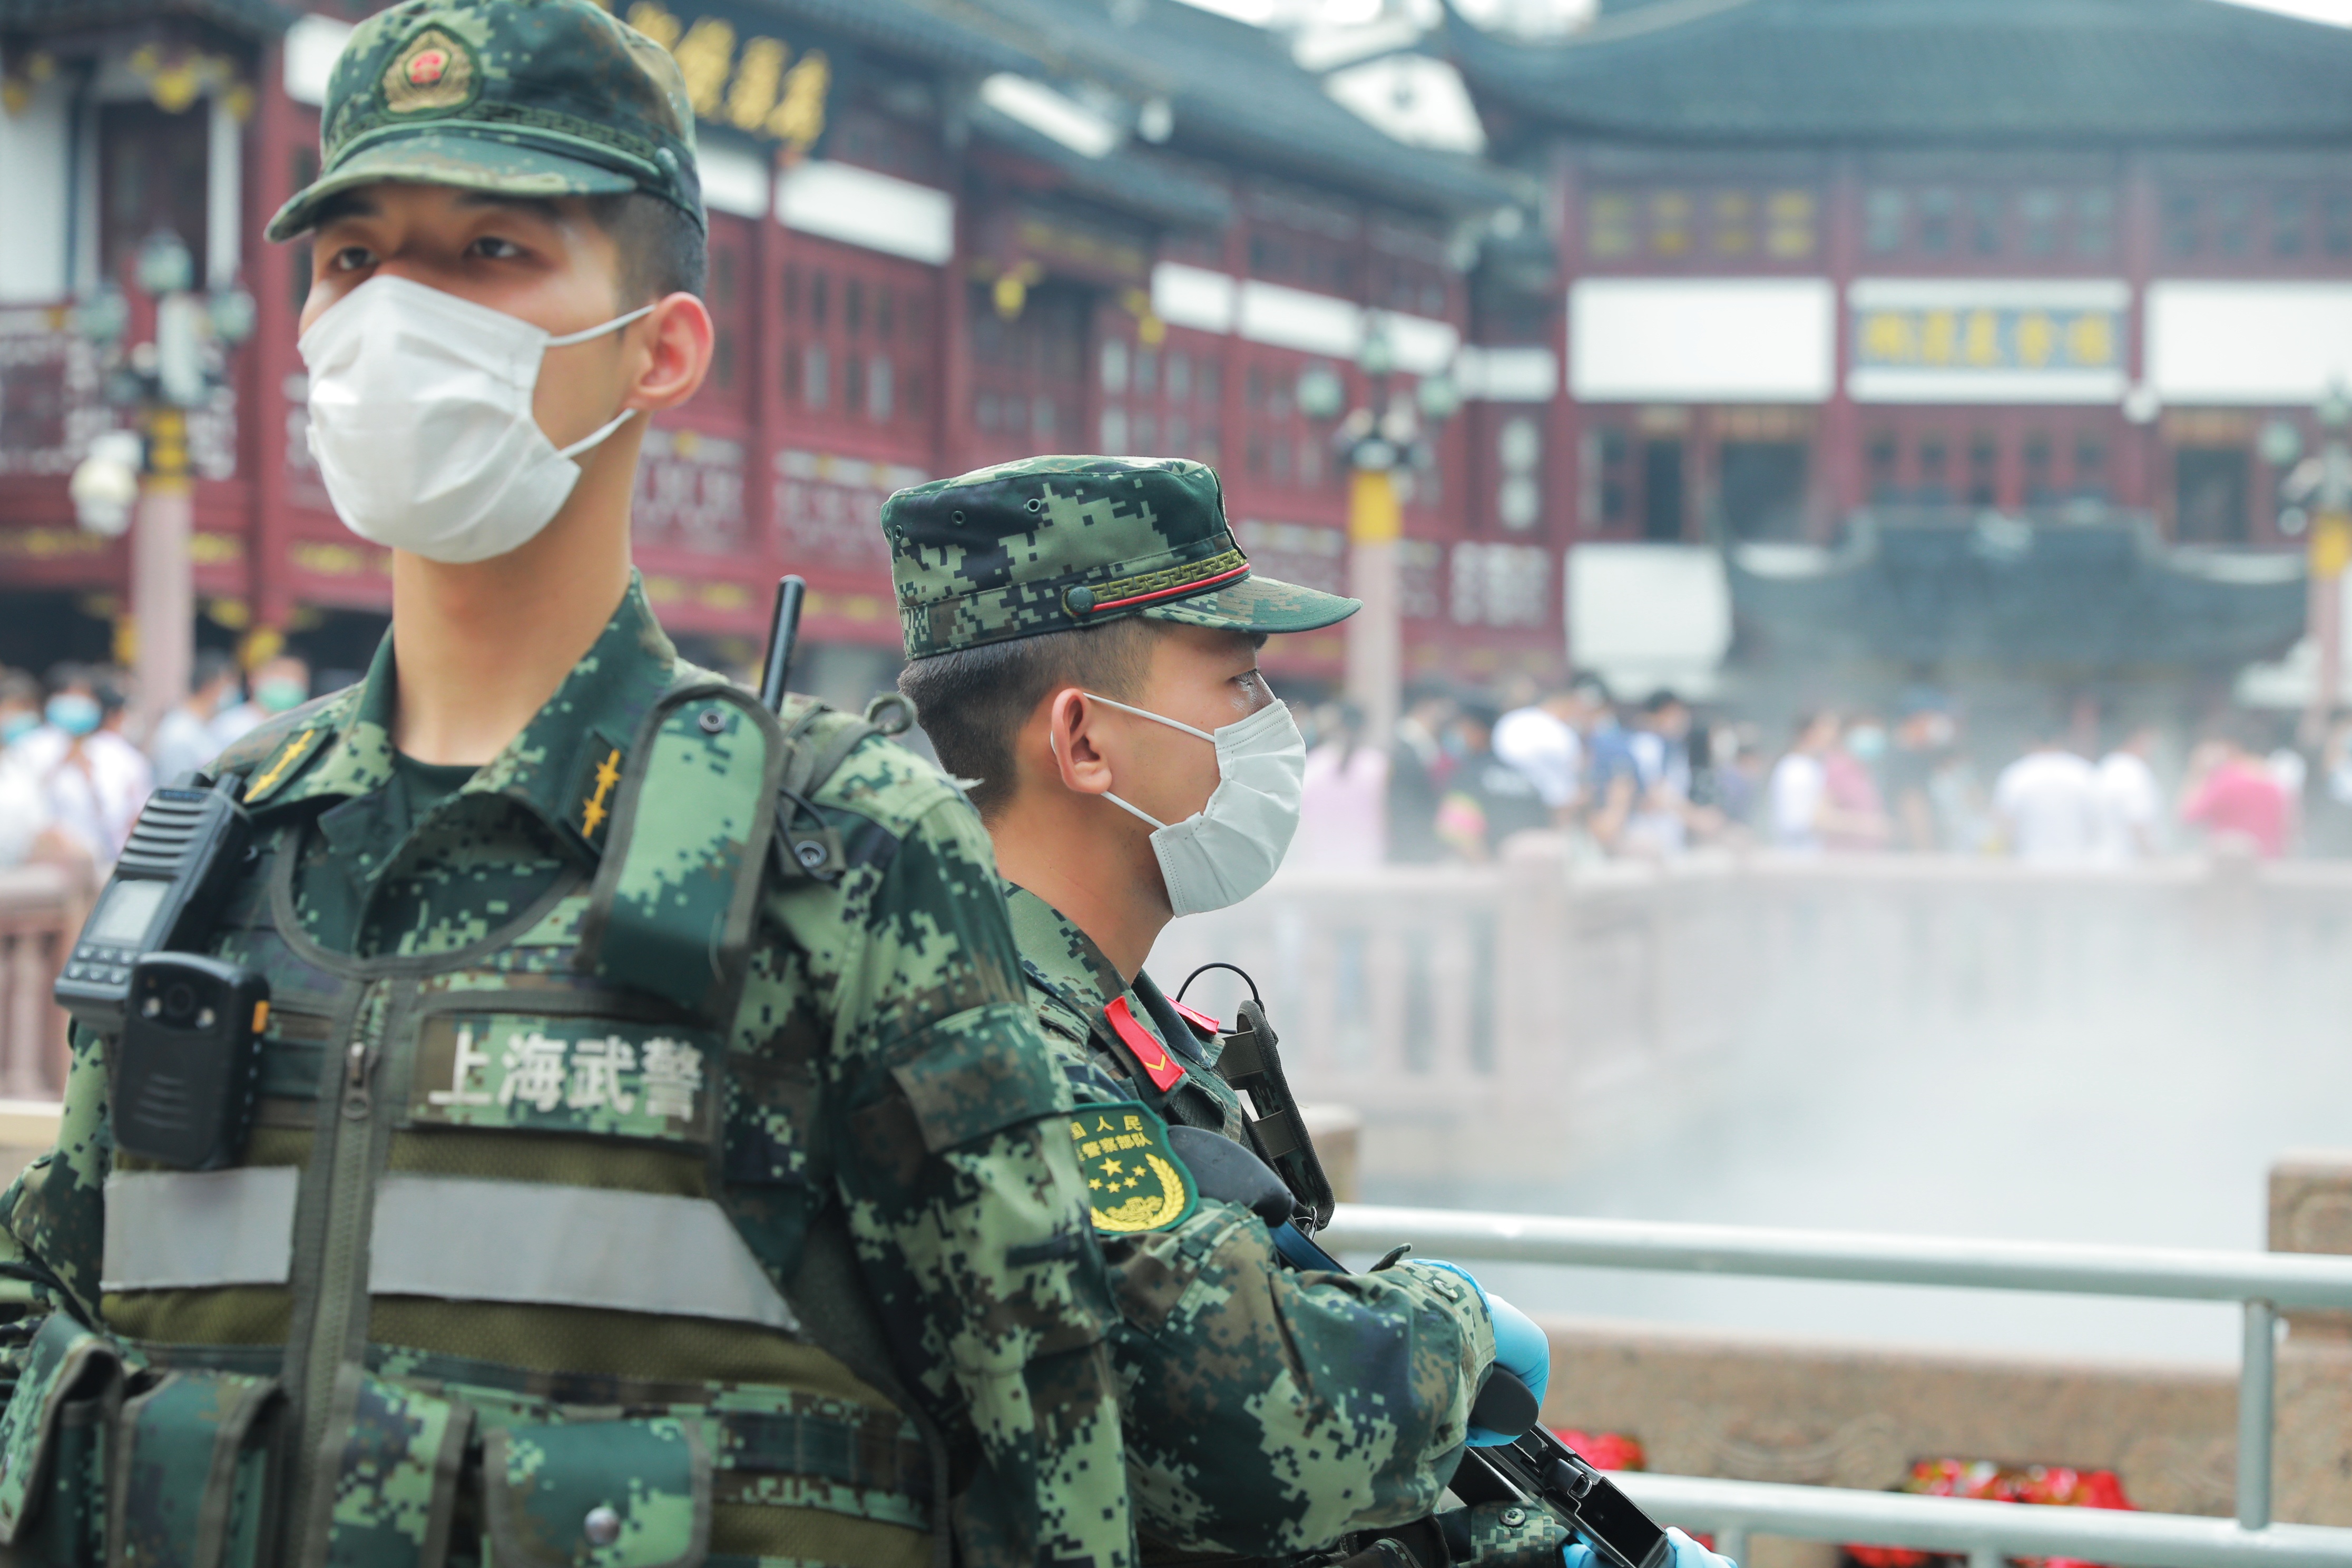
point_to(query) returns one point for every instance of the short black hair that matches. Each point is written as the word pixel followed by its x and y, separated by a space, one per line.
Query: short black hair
pixel 663 250
pixel 973 701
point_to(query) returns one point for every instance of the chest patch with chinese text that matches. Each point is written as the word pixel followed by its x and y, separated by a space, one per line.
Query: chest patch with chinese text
pixel 558 1073
pixel 1134 1180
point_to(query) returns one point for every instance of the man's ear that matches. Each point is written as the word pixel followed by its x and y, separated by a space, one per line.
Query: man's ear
pixel 678 337
pixel 1077 761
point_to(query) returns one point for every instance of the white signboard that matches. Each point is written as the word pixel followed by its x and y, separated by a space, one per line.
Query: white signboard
pixel 2248 343
pixel 1701 340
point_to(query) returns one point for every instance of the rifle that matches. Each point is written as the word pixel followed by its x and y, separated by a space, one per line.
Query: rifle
pixel 784 632
pixel 1535 1467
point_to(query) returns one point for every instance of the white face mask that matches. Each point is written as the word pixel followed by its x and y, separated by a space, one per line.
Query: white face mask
pixel 421 421
pixel 1230 847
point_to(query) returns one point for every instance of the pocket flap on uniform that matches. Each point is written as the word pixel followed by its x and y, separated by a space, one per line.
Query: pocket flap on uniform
pixel 65 1363
pixel 598 1494
pixel 192 1463
pixel 982 1072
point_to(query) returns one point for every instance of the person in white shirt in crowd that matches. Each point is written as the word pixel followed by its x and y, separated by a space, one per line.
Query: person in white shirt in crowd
pixel 1545 741
pixel 281 683
pixel 183 738
pixel 99 780
pixel 2049 802
pixel 2131 803
pixel 1798 794
pixel 1340 804
pixel 25 816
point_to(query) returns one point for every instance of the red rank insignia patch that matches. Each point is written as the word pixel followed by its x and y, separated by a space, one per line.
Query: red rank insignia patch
pixel 1160 1067
pixel 1197 1018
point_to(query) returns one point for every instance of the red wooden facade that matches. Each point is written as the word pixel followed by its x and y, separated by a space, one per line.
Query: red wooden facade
pixel 843 372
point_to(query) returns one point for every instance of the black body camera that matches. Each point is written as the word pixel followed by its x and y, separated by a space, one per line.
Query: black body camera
pixel 187 1066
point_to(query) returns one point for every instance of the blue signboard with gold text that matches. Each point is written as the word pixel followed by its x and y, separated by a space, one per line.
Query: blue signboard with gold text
pixel 1970 340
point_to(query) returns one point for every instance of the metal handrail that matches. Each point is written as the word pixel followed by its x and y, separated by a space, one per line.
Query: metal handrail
pixel 2262 1281
pixel 1985 1531
pixel 2282 1278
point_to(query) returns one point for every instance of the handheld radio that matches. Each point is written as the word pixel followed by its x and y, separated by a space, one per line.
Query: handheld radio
pixel 182 849
pixel 186 1029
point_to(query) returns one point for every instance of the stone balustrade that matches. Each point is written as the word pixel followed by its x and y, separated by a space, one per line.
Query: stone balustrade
pixel 1527 1004
pixel 41 908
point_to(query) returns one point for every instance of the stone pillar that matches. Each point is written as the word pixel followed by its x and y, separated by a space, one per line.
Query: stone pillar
pixel 2311 1211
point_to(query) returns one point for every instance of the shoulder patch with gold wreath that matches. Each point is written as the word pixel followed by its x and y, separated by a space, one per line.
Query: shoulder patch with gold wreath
pixel 1134 1180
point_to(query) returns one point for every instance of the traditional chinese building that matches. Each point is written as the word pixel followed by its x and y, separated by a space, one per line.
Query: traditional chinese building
pixel 1829 270
pixel 940 236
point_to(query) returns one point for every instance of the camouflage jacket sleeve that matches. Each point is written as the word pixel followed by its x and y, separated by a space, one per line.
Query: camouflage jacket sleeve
pixel 1269 1411
pixel 969 1220
pixel 55 1211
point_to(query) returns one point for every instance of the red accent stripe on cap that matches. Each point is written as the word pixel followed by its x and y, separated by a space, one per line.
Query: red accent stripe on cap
pixel 1183 588
pixel 1158 1066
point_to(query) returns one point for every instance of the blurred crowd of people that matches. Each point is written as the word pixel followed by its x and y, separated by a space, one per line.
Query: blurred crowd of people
pixel 1653 779
pixel 1649 779
pixel 73 777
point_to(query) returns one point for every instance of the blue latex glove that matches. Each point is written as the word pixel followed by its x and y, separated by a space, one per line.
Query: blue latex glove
pixel 1520 1349
pixel 1688 1553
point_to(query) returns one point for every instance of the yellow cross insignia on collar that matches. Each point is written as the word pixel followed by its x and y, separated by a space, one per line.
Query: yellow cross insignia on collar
pixel 266 779
pixel 594 811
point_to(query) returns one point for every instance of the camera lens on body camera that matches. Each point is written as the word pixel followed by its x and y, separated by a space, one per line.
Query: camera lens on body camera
pixel 179 1002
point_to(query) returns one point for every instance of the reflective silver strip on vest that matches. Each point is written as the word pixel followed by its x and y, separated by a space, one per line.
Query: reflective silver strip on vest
pixel 196 1229
pixel 468 1240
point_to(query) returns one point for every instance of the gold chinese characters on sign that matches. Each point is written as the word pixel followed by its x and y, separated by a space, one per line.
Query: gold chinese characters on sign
pixel 753 84
pixel 1992 338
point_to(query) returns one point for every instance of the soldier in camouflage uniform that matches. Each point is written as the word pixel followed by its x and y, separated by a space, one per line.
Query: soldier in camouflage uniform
pixel 1268 1412
pixel 622 1193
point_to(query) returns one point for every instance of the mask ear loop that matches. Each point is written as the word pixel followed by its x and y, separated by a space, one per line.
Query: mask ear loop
pixel 587 441
pixel 615 324
pixel 1055 746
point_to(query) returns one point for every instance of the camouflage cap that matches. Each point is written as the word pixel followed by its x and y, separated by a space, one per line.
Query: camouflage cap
pixel 530 97
pixel 1047 544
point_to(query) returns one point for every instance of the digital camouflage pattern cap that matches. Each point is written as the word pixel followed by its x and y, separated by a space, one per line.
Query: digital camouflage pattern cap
pixel 1048 545
pixel 528 97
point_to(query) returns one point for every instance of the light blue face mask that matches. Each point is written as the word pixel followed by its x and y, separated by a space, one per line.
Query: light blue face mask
pixel 16 726
pixel 73 712
pixel 1866 743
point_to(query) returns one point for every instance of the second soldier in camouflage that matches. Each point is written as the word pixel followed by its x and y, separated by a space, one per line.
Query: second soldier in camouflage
pixel 1268 1413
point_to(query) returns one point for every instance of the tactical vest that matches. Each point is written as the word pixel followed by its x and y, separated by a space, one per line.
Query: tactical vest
pixel 521 1263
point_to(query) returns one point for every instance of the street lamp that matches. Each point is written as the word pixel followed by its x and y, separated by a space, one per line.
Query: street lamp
pixel 159 380
pixel 1386 434
pixel 2331 551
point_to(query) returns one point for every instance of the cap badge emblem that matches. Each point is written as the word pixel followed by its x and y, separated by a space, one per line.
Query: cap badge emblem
pixel 433 72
